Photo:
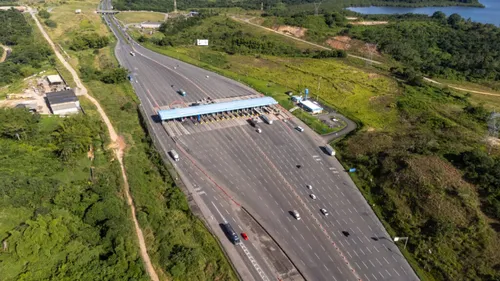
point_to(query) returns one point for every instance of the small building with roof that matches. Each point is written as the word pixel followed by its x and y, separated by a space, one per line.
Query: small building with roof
pixel 150 25
pixel 311 106
pixel 63 102
pixel 54 79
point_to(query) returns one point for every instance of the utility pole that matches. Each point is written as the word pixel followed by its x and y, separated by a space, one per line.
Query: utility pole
pixel 316 8
pixel 317 92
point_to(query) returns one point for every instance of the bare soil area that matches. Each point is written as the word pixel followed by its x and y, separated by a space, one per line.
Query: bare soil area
pixel 294 31
pixel 340 42
pixel 369 22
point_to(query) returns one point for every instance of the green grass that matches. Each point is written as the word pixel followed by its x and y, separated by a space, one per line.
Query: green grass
pixel 314 123
pixel 138 17
pixel 360 95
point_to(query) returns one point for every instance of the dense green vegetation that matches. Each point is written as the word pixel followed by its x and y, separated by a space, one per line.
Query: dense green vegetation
pixel 227 35
pixel 29 53
pixel 451 47
pixel 61 217
pixel 409 174
pixel 268 5
pixel 178 243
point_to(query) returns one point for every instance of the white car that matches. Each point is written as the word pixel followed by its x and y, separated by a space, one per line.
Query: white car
pixel 309 186
pixel 296 214
pixel 299 128
pixel 132 54
pixel 313 197
pixel 324 212
pixel 259 130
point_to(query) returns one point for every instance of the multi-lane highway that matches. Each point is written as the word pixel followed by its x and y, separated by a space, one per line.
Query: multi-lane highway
pixel 230 165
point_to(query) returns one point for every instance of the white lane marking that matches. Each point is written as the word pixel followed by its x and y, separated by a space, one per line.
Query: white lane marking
pixel 404 270
pixel 386 260
pixel 378 261
pixel 396 272
pixel 224 219
pixel 365 264
pixel 388 272
pixel 254 262
pixel 371 263
pixel 317 256
pixel 326 268
pixel 374 276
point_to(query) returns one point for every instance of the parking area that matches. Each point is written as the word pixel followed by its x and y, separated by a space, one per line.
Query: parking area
pixel 269 172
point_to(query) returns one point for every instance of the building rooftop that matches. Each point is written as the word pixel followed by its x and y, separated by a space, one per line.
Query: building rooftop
pixel 61 97
pixel 214 108
pixel 312 106
pixel 54 79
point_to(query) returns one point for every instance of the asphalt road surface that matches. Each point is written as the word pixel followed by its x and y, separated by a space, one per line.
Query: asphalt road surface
pixel 235 165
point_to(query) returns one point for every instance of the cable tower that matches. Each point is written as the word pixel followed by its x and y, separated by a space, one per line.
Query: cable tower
pixel 372 49
pixel 316 8
pixel 493 128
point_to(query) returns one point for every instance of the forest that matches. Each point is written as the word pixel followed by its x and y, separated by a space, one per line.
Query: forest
pixel 449 47
pixel 62 217
pixel 228 36
pixel 28 52
pixel 167 5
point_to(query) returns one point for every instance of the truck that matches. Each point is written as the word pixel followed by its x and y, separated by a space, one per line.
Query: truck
pixel 329 150
pixel 266 119
pixel 174 155
pixel 230 233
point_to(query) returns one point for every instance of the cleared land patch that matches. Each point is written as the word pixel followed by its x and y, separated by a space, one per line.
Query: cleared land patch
pixel 137 17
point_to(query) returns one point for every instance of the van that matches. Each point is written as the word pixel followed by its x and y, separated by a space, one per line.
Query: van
pixel 230 233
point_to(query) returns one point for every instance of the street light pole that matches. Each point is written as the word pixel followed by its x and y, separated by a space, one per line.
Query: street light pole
pixel 396 239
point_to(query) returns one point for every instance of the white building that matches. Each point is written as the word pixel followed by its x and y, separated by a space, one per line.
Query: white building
pixel 54 79
pixel 63 102
pixel 150 25
pixel 311 106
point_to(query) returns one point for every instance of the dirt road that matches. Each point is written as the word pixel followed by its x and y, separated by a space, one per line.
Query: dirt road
pixel 460 89
pixel 117 145
pixel 4 53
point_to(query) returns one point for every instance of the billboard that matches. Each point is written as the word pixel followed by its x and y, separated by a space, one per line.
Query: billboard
pixel 202 42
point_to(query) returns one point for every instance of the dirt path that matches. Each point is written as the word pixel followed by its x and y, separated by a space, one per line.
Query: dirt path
pixel 5 50
pixel 117 145
pixel 461 89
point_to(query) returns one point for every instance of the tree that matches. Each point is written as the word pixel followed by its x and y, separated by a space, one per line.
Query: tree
pixel 455 20
pixel 438 15
pixel 50 23
pixel 44 14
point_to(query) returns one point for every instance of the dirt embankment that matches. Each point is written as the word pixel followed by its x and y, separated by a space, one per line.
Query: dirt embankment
pixel 340 42
pixel 369 22
pixel 6 50
pixel 294 31
pixel 347 43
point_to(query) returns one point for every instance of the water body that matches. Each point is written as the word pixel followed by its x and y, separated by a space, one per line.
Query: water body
pixel 490 14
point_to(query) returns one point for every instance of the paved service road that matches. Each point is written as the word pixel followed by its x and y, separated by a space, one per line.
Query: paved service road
pixel 234 165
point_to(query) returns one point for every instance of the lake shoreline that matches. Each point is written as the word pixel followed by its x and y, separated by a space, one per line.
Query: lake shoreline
pixel 427 5
pixel 487 14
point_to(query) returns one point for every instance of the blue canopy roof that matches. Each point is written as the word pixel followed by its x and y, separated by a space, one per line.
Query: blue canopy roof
pixel 168 114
